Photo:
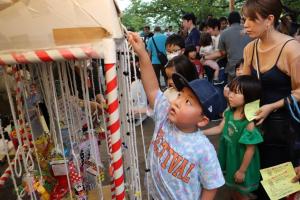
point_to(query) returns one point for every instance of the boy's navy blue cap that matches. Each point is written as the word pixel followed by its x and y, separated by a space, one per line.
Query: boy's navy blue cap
pixel 205 92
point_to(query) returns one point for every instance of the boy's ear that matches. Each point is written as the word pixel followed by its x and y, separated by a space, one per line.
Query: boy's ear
pixel 203 122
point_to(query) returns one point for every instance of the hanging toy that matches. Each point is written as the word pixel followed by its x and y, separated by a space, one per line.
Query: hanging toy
pixel 59 171
pixel 41 190
pixel 76 182
pixel 27 182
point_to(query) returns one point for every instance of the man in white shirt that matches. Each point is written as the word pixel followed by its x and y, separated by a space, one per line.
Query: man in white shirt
pixel 213 28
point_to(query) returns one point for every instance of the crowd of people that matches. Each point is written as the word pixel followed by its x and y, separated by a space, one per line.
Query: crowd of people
pixel 212 73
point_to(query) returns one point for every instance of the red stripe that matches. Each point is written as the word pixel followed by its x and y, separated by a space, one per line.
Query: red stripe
pixel 20 58
pixel 116 146
pixel 108 67
pixel 114 127
pixel 88 51
pixel 119 181
pixel 68 55
pixel 43 55
pixel 111 85
pixel 120 196
pixel 113 106
pixel 4 179
pixel 118 164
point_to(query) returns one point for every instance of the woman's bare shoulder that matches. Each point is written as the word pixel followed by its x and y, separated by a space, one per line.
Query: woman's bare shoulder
pixel 293 49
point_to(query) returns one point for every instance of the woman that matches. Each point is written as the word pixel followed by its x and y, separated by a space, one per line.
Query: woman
pixel 275 59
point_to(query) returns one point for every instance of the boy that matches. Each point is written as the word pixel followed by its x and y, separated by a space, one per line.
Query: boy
pixel 181 158
pixel 174 46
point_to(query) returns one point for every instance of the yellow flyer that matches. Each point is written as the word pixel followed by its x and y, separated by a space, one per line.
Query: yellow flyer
pixel 277 181
pixel 250 110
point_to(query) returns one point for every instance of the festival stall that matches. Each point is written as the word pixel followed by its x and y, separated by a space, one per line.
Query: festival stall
pixel 70 64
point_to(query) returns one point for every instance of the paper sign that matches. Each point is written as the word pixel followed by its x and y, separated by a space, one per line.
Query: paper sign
pixel 277 181
pixel 250 110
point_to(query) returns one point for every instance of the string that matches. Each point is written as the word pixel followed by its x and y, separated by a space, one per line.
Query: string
pixel 49 66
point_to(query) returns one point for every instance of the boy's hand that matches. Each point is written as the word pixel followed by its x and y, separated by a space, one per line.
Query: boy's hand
pixel 137 43
pixel 239 176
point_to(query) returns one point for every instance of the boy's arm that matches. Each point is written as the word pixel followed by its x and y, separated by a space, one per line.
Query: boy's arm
pixel 208 194
pixel 148 76
pixel 215 130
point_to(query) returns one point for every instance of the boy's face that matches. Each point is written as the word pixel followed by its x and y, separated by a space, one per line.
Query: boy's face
pixel 173 50
pixel 186 112
pixel 170 71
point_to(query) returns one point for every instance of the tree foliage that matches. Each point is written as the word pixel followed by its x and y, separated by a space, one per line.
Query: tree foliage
pixel 169 12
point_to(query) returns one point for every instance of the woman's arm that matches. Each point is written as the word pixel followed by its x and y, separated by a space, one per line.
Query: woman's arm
pixel 215 130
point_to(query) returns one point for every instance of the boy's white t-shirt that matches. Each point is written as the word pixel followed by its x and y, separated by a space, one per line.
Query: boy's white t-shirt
pixel 181 164
pixel 215 41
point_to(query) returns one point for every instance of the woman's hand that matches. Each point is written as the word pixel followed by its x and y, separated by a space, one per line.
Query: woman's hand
pixel 297 177
pixel 263 113
pixel 137 43
pixel 239 176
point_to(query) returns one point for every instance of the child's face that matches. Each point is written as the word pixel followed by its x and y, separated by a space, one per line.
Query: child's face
pixel 170 71
pixel 172 51
pixel 192 55
pixel 185 111
pixel 236 99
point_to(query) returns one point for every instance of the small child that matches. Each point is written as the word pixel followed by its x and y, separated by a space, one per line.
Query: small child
pixel 238 153
pixel 191 53
pixel 238 72
pixel 239 67
pixel 206 48
pixel 183 163
pixel 182 65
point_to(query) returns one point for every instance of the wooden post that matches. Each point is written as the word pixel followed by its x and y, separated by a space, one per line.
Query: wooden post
pixel 231 5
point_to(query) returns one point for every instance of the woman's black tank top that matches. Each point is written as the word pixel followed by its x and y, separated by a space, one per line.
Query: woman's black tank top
pixel 275 83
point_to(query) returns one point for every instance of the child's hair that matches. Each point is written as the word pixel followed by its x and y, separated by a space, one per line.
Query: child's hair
pixel 189 49
pixel 247 85
pixel 241 61
pixel 205 39
pixel 184 67
pixel 175 39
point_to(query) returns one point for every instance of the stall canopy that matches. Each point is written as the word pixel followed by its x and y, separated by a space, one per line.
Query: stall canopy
pixel 32 30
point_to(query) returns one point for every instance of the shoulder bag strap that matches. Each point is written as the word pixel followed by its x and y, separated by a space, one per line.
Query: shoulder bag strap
pixel 155 45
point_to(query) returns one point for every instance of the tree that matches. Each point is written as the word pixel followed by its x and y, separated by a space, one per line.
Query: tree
pixel 169 12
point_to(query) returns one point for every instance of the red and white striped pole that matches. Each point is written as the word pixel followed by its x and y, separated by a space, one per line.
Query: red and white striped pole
pixel 114 128
pixel 5 176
